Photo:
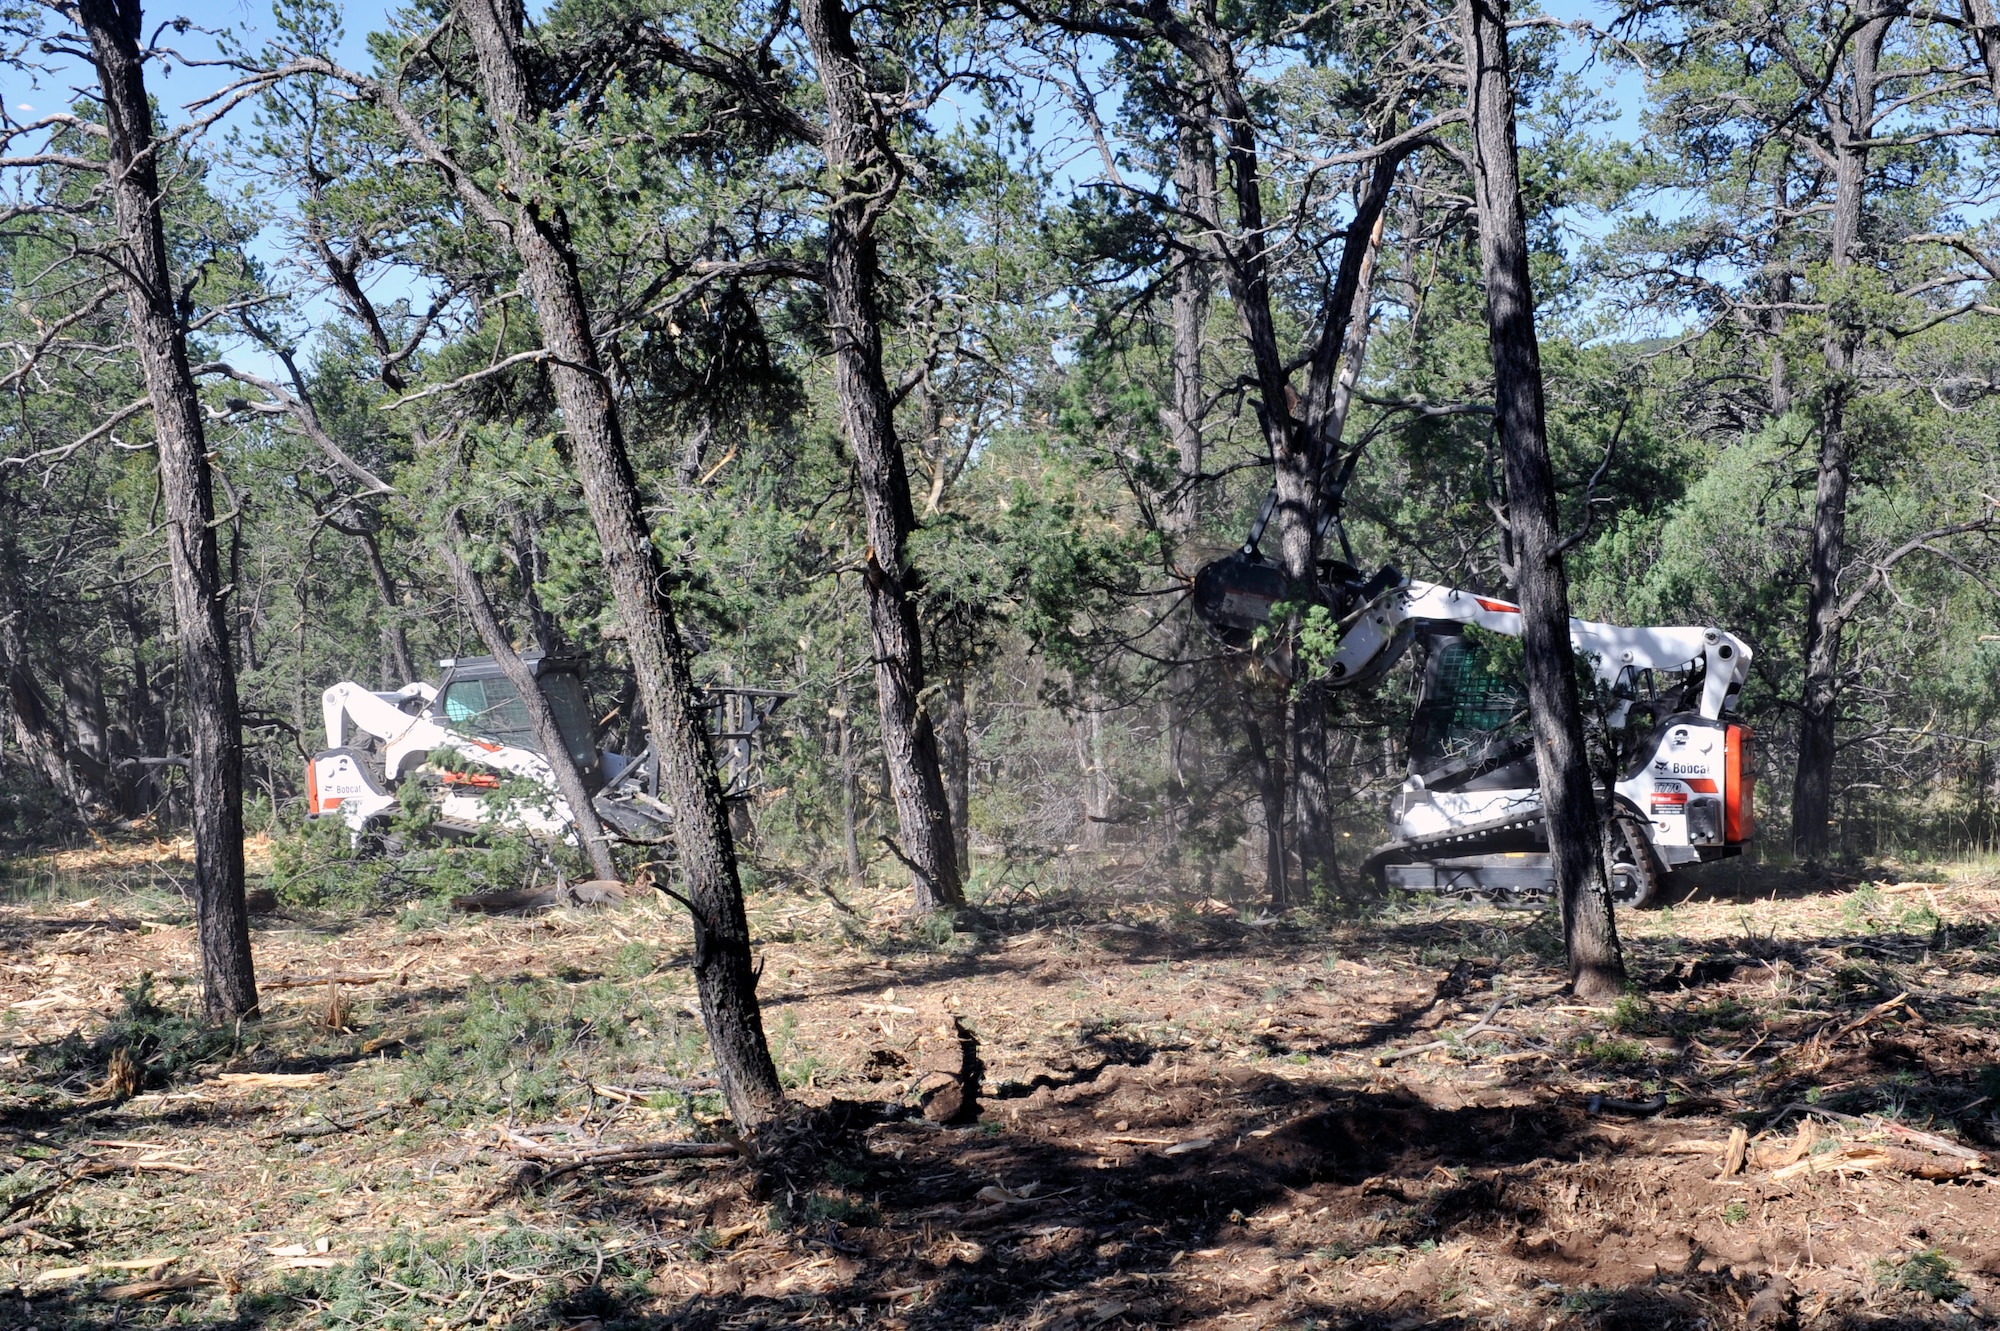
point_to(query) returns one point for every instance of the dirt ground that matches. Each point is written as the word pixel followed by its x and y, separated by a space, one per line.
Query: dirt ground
pixel 1192 1114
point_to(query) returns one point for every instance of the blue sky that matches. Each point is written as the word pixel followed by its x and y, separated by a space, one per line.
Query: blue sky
pixel 251 23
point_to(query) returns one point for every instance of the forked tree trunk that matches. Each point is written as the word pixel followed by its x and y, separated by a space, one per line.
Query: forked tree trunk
pixel 862 178
pixel 541 716
pixel 638 579
pixel 395 642
pixel 1575 824
pixel 215 773
pixel 1819 701
pixel 1335 359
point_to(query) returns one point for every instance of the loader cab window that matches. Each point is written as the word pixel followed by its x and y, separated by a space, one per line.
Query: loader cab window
pixel 1473 710
pixel 491 708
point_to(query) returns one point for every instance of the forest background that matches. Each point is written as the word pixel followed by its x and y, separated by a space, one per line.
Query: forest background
pixel 1763 243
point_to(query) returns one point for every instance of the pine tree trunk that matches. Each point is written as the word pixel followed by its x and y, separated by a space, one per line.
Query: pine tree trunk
pixel 530 563
pixel 955 758
pixel 1819 701
pixel 850 777
pixel 89 735
pixel 1986 32
pixel 1575 824
pixel 1090 762
pixel 638 580
pixel 1271 795
pixel 863 178
pixel 215 774
pixel 850 811
pixel 1819 705
pixel 541 716
pixel 1194 192
pixel 394 640
pixel 36 733
pixel 1312 712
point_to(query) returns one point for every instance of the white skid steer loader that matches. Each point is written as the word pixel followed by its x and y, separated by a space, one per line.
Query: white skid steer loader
pixel 1468 818
pixel 469 744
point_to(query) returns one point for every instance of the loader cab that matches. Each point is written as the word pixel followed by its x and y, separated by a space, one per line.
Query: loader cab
pixel 477 698
pixel 1469 730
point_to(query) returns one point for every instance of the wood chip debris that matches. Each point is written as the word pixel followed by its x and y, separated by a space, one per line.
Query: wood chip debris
pixel 273 1081
pixel 1737 1151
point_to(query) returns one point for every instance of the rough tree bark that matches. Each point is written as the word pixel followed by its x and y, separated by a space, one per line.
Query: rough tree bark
pixel 1194 194
pixel 540 235
pixel 1984 28
pixel 850 777
pixel 525 549
pixel 90 757
pixel 1271 794
pixel 955 761
pixel 1575 824
pixel 215 773
pixel 1819 702
pixel 1183 418
pixel 36 733
pixel 863 176
pixel 555 746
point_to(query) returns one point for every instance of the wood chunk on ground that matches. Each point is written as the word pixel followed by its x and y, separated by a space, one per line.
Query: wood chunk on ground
pixel 949 1069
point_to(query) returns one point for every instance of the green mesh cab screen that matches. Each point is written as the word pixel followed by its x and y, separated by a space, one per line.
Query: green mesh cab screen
pixel 492 709
pixel 489 706
pixel 1471 705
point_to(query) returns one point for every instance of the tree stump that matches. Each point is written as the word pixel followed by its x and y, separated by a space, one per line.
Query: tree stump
pixel 949 1070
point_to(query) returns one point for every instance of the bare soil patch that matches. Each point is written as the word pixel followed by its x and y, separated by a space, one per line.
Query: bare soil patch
pixel 1188 1115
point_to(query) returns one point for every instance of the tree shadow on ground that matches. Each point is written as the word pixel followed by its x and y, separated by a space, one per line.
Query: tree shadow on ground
pixel 1107 1237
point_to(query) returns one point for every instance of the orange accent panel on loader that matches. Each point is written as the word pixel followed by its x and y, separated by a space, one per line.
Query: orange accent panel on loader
pixel 1739 778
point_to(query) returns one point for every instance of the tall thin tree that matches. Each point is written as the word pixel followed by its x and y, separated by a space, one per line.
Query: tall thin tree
pixel 1851 124
pixel 1569 802
pixel 863 176
pixel 526 213
pixel 114 29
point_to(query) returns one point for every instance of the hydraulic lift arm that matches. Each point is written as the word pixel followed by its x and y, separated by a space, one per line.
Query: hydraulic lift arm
pixel 1374 635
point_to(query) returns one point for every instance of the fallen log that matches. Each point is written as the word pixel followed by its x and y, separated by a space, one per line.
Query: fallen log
pixel 1865 1157
pixel 1930 1141
pixel 153 1289
pixel 615 1154
pixel 337 977
pixel 592 892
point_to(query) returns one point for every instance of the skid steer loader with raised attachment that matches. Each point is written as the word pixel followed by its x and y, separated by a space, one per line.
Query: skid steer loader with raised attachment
pixel 1468 817
pixel 468 744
